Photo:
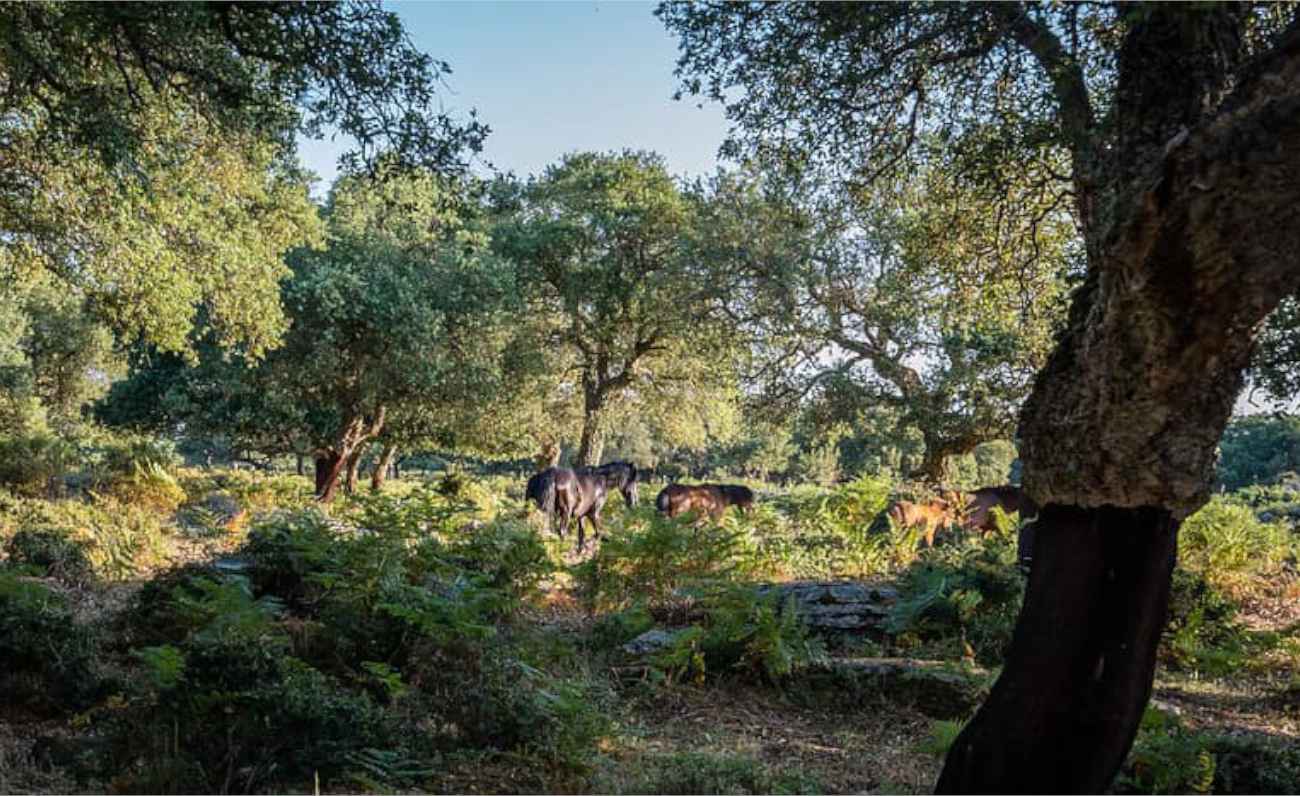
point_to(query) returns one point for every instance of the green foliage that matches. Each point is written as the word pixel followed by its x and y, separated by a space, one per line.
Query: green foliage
pixel 966 592
pixel 702 772
pixel 1231 548
pixel 616 628
pixel 744 634
pixel 52 553
pixel 1203 633
pixel 943 734
pixel 1254 764
pixel 32 464
pixel 1167 758
pixel 651 557
pixel 1258 449
pixel 49 656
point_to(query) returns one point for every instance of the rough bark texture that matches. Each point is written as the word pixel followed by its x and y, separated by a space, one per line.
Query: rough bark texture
pixel 332 462
pixel 592 445
pixel 1063 714
pixel 1192 225
pixel 354 471
pixel 1131 406
pixel 380 473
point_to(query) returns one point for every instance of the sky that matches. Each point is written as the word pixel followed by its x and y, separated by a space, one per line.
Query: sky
pixel 557 77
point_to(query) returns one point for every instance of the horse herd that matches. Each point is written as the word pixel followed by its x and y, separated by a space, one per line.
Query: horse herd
pixel 570 495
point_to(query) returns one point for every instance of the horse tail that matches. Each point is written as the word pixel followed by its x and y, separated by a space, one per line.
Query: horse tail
pixel 548 493
pixel 661 502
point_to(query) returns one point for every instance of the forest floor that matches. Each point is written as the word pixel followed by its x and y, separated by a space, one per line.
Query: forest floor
pixel 717 737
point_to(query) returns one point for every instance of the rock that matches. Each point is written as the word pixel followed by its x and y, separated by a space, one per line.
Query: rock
pixel 935 688
pixel 650 642
pixel 836 606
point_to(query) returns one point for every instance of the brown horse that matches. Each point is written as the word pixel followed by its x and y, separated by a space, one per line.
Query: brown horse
pixel 979 515
pixel 711 499
pixel 930 517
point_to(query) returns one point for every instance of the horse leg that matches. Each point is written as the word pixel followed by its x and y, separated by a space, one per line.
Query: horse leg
pixel 582 541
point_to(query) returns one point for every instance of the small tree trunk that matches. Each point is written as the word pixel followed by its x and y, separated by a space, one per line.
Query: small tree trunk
pixel 380 472
pixel 1063 714
pixel 354 467
pixel 299 464
pixel 397 468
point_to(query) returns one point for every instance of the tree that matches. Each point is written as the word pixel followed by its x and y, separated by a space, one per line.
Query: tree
pixel 1181 130
pixel 1259 449
pixel 148 148
pixel 603 249
pixel 395 321
pixel 917 295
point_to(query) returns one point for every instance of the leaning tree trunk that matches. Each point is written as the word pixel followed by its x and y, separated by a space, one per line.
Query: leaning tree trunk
pixel 354 471
pixel 1119 435
pixel 380 473
pixel 331 463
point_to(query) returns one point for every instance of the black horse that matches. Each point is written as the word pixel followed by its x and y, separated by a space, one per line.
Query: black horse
pixel 621 476
pixel 568 495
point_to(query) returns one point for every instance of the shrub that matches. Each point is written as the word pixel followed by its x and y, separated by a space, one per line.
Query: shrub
pixel 651 557
pixel 31 465
pixel 970 591
pixel 1203 633
pixel 1254 764
pixel 1232 549
pixel 52 553
pixel 48 657
pixel 742 634
pixel 149 486
pixel 1167 758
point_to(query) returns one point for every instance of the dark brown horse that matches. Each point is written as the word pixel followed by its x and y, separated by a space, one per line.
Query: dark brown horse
pixel 1012 500
pixel 711 499
pixel 569 495
pixel 621 476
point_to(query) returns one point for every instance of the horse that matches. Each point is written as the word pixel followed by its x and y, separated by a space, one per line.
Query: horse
pixel 711 499
pixel 979 515
pixel 930 517
pixel 621 476
pixel 568 495
pixel 1012 500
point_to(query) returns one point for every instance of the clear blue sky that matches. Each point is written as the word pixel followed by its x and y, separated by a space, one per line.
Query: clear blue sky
pixel 557 77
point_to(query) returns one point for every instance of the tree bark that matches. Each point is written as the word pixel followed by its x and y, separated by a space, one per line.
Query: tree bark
pixel 1065 710
pixel 1118 437
pixel 299 464
pixel 334 461
pixel 592 445
pixel 354 468
pixel 380 473
pixel 328 466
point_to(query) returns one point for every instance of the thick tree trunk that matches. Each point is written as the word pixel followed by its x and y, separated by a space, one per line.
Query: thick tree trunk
pixel 1064 712
pixel 329 464
pixel 381 467
pixel 592 445
pixel 1119 435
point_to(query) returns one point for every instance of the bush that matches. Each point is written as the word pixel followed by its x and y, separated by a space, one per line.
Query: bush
pixel 48 657
pixel 1203 633
pixel 966 592
pixel 52 553
pixel 1233 550
pixel 1167 758
pixel 148 486
pixel 32 465
pixel 743 634
pixel 652 557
